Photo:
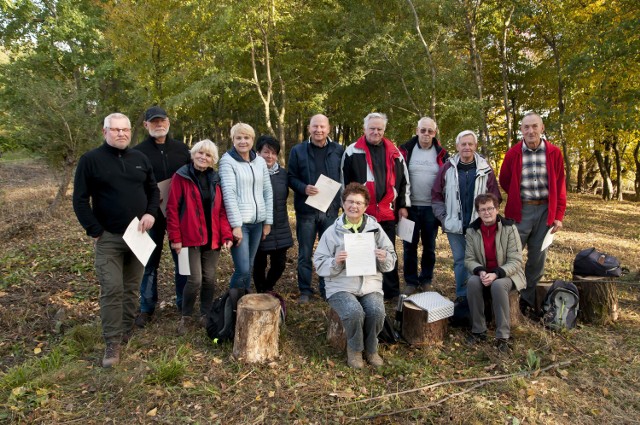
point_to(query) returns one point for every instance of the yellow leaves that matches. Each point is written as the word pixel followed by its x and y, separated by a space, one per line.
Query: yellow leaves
pixel 188 384
pixel 37 350
pixel 153 412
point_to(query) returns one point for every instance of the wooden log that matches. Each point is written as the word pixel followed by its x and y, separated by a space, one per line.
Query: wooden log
pixel 257 330
pixel 598 300
pixel 541 294
pixel 335 331
pixel 417 330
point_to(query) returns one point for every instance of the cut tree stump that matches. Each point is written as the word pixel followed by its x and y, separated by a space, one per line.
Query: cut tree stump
pixel 598 300
pixel 417 330
pixel 257 328
pixel 335 332
pixel 541 294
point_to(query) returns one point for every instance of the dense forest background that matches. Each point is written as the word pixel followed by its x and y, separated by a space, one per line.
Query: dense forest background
pixel 470 64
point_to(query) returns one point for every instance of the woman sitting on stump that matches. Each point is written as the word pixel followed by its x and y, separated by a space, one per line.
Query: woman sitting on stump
pixel 493 257
pixel 358 300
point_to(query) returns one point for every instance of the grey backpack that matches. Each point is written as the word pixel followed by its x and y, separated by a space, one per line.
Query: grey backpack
pixel 560 308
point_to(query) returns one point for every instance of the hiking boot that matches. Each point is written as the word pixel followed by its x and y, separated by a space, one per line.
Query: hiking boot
pixel 186 323
pixel 474 338
pixel 354 359
pixel 502 345
pixel 111 354
pixel 374 359
pixel 143 318
pixel 424 283
pixel 304 298
pixel 410 290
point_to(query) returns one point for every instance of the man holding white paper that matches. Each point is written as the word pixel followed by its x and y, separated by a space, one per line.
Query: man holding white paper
pixel 167 155
pixel 316 156
pixel 113 185
pixel 532 174
pixel 424 157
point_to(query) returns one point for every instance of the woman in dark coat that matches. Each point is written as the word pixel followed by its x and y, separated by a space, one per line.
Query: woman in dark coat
pixel 276 244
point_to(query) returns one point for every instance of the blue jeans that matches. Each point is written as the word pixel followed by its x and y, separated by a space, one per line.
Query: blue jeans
pixel 426 228
pixel 308 227
pixel 244 254
pixel 362 318
pixel 149 283
pixel 458 245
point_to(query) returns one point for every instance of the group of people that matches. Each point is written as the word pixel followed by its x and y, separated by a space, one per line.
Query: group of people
pixel 243 207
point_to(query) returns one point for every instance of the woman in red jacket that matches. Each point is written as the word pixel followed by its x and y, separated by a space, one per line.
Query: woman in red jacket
pixel 197 221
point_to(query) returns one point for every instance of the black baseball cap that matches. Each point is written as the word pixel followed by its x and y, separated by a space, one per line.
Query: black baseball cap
pixel 154 112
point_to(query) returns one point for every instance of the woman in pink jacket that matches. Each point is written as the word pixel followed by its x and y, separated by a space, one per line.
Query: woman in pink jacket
pixel 197 221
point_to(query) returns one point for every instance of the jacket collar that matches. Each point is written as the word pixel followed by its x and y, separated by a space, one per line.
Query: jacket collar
pixel 235 155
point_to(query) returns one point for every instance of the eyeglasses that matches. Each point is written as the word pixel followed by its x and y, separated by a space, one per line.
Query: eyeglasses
pixel 427 131
pixel 486 210
pixel 356 203
pixel 118 130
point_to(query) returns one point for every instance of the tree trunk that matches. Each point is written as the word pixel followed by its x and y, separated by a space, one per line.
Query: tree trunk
pixel 598 300
pixel 505 74
pixel 416 328
pixel 607 185
pixel 257 328
pixel 336 335
pixel 618 162
pixel 67 173
pixel 470 18
pixel 582 164
pixel 432 67
pixel 636 160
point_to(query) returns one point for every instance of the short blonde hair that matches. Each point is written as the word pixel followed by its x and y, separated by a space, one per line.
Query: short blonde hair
pixel 242 128
pixel 206 146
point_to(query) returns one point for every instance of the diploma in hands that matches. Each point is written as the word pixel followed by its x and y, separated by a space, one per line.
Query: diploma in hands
pixel 361 255
pixel 327 189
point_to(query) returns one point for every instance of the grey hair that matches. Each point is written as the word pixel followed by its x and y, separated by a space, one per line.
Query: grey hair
pixel 427 118
pixel 466 133
pixel 375 115
pixel 206 146
pixel 117 116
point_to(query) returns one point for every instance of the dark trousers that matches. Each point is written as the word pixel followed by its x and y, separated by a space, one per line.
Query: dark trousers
pixel 426 228
pixel 390 280
pixel 264 279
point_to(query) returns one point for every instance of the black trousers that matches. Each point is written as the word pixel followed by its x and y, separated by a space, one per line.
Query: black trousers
pixel 265 280
pixel 390 280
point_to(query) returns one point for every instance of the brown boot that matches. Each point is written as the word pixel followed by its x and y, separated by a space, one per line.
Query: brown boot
pixel 186 323
pixel 111 354
pixel 354 359
pixel 374 359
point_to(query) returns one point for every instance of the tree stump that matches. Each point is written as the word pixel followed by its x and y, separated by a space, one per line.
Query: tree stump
pixel 416 328
pixel 335 332
pixel 598 300
pixel 257 330
pixel 541 294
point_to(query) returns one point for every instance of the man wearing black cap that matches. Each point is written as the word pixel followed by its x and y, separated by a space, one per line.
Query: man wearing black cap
pixel 166 156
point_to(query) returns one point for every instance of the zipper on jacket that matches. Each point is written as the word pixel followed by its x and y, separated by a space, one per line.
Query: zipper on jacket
pixel 124 168
pixel 253 191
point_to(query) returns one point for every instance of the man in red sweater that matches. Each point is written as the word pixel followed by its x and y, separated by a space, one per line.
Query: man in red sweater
pixel 532 174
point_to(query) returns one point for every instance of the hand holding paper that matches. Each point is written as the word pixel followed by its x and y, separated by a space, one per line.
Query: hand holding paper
pixel 139 242
pixel 327 189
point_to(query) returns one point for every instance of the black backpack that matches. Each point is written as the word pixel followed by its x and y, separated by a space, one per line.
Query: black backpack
pixel 591 262
pixel 560 308
pixel 221 319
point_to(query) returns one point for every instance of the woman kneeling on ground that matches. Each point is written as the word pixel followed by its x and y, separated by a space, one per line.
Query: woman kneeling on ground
pixel 196 219
pixel 358 300
pixel 493 257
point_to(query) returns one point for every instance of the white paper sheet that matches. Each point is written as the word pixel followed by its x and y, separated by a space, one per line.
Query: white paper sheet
pixel 361 256
pixel 183 262
pixel 405 229
pixel 548 239
pixel 164 194
pixel 327 189
pixel 140 242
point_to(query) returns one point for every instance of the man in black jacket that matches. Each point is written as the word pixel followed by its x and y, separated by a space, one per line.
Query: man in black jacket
pixel 307 160
pixel 166 156
pixel 113 185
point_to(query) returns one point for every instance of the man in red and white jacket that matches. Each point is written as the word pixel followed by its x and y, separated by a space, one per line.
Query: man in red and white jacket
pixel 533 176
pixel 378 164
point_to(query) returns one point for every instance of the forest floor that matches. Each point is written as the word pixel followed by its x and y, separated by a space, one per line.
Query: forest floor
pixel 51 346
